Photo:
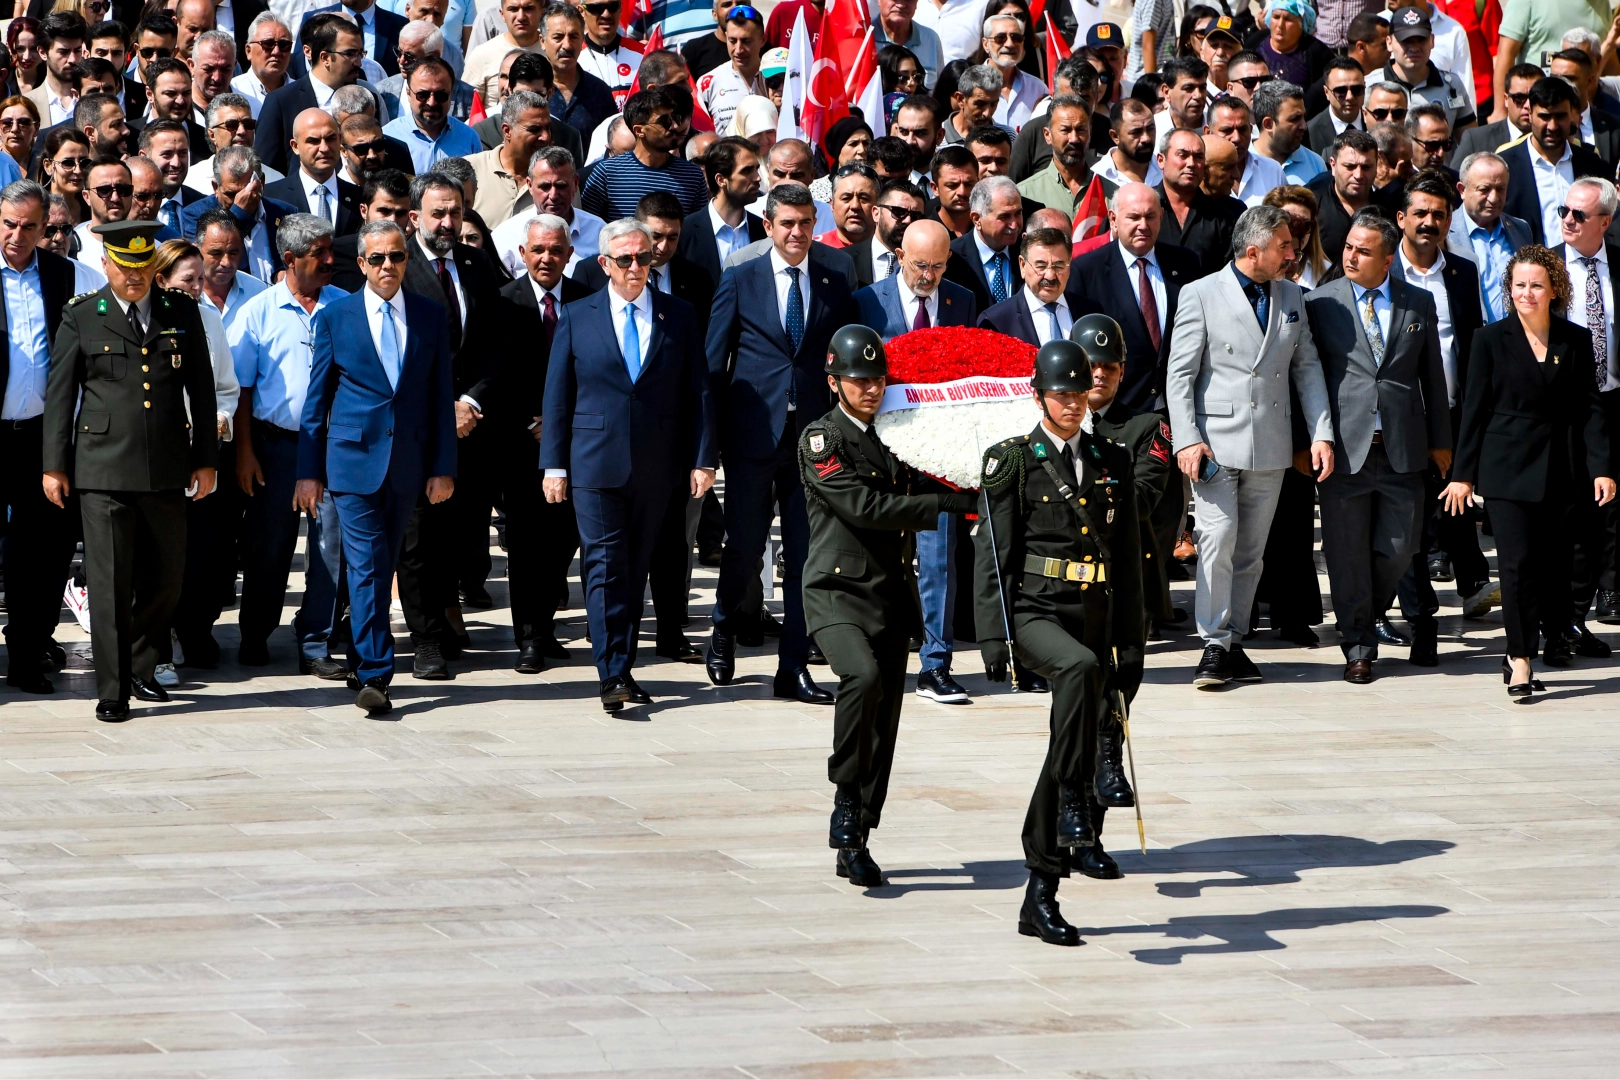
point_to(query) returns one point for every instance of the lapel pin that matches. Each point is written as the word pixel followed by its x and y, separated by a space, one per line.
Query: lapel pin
pixel 660 316
pixel 824 281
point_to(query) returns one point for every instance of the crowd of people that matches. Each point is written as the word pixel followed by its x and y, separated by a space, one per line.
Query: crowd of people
pixel 389 275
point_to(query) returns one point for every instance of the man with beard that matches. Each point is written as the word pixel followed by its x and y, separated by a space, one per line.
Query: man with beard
pixel 168 147
pixel 107 190
pixel 386 196
pixel 855 189
pixel 955 173
pixel 426 125
pixel 1279 136
pixel 1554 112
pixel 916 123
pixel 899 203
pixel 1345 87
pixel 1003 45
pixel 1130 159
pixel 447 543
pixel 1061 184
pixel 1345 188
pixel 978 91
pixel 170 84
pixel 617 184
pixel 1196 221
pixel 101 119
pixel 715 232
pixel 365 148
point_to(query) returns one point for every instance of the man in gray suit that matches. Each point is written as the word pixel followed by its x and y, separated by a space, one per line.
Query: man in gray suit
pixel 1482 233
pixel 1241 343
pixel 1379 343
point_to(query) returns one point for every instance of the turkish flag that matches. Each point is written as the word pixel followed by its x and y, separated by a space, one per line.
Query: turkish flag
pixel 1057 51
pixel 1090 218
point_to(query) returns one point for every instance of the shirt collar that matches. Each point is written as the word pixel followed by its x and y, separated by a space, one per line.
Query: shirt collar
pixel 1538 160
pixel 606 50
pixel 779 264
pixel 1409 267
pixel 642 303
pixel 1130 260
pixel 1074 443
pixel 311 184
pixel 906 295
pixel 858 423
pixel 1490 234
pixel 1037 304
pixel 1382 291
pixel 719 223
pixel 1242 279
pixel 428 252
pixel 985 254
pixel 31 268
pixel 541 292
pixel 1602 255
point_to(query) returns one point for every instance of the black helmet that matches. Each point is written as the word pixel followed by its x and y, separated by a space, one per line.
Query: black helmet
pixel 1100 338
pixel 1061 366
pixel 856 352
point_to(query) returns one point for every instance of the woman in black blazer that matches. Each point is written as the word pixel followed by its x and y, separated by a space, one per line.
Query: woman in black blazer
pixel 1533 441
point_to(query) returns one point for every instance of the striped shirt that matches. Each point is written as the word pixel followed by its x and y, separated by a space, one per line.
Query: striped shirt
pixel 616 185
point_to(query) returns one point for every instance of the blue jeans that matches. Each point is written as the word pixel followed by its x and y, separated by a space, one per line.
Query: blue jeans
pixel 936 585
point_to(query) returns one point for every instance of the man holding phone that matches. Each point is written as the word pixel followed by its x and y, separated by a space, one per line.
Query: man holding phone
pixel 1227 389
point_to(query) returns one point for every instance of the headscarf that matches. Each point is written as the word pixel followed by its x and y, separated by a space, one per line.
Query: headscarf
pixel 754 114
pixel 1303 9
pixel 841 132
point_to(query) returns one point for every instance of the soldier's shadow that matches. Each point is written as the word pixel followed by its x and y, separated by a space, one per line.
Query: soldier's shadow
pixel 998 874
pixel 1251 933
pixel 1268 860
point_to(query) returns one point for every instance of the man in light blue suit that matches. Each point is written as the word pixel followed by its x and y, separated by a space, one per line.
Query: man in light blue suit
pixel 628 409
pixel 916 298
pixel 379 429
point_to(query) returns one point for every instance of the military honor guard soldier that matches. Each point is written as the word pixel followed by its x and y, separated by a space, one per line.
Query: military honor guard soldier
pixel 860 593
pixel 133 450
pixel 1059 580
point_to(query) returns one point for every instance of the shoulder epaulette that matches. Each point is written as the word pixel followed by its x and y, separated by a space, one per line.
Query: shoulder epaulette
pixel 83 297
pixel 821 440
pixel 1003 462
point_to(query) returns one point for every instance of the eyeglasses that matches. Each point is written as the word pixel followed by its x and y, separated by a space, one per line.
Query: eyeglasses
pixel 347 54
pixel 1519 100
pixel 1350 91
pixel 900 213
pixel 150 52
pixel 424 96
pixel 53 231
pixel 1396 114
pixel 107 191
pixel 662 120
pixel 18 122
pixel 1249 82
pixel 392 257
pixel 271 45
pixel 908 77
pixel 1435 146
pixel 1043 267
pixel 1577 216
pixel 1016 37
pixel 148 196
pixel 74 164
pixel 244 124
pixel 640 258
pixel 609 8
pixel 98 7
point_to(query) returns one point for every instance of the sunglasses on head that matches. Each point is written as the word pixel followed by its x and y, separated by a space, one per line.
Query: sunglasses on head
pixel 378 258
pixel 1350 91
pixel 425 96
pixel 640 258
pixel 1396 114
pixel 743 11
pixel 1569 212
pixel 107 191
pixel 244 124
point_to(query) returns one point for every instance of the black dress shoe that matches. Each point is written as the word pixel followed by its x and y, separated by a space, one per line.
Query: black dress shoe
pixel 721 659
pixel 201 653
pixel 147 691
pixel 1388 635
pixel 814 655
pixel 638 696
pixel 1243 669
pixel 1608 607
pixel 1358 671
pixel 324 667
pixel 768 624
pixel 682 651
pixel 1555 651
pixel 1031 683
pixel 529 661
pixel 1299 634
pixel 552 649
pixel 1214 668
pixel 56 657
pixel 253 654
pixel 476 596
pixel 1112 787
pixel 844 829
pixel 30 682
pixel 429 664
pixel 709 558
pixel 614 691
pixel 1585 643
pixel 799 686
pixel 857 864
pixel 1074 828
pixel 1040 917
pixel 112 712
pixel 1520 690
pixel 1439 567
pixel 352 681
pixel 1425 650
pixel 373 696
pixel 1097 863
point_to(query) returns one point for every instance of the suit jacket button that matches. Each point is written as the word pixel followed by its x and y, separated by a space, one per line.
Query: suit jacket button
pixel 838 569
pixel 143 351
pixel 1084 530
pixel 1082 502
pixel 146 386
pixel 389 433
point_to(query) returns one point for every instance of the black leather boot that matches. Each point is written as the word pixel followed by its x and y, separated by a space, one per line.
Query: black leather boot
pixel 1112 787
pixel 857 864
pixel 844 831
pixel 1074 820
pixel 1040 917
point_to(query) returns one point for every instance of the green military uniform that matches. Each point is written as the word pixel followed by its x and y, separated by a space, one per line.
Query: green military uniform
pixel 860 594
pixel 1147 436
pixel 129 447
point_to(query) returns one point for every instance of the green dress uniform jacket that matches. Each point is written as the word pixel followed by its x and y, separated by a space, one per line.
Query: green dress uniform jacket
pixel 1147 436
pixel 132 431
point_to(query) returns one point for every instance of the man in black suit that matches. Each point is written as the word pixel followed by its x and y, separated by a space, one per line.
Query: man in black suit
pixel 313 185
pixel 384 26
pixel 982 260
pixel 1494 137
pixel 39 546
pixel 899 203
pixel 541 537
pixel 1191 217
pixel 447 544
pixel 169 83
pixel 109 41
pixel 1575 67
pixel 1346 88
pixel 731 167
pixel 243 12
pixel 334 42
pixel 386 195
pixel 1044 308
pixel 1554 113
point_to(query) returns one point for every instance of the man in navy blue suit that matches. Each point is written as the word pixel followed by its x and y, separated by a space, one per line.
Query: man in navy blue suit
pixel 1043 309
pixel 627 409
pixel 767 346
pixel 334 46
pixel 915 298
pixel 379 423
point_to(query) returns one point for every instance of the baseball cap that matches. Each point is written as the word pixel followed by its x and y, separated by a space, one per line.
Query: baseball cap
pixel 1409 23
pixel 1221 25
pixel 1105 35
pixel 774 62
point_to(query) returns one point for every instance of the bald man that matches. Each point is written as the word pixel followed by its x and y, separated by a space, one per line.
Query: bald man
pixel 1221 167
pixel 1049 218
pixel 314 185
pixel 917 297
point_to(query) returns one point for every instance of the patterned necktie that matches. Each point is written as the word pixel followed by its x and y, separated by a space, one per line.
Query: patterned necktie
pixel 1057 329
pixel 795 309
pixel 888 264
pixel 632 343
pixel 1149 302
pixel 325 210
pixel 390 345
pixel 1375 333
pixel 170 213
pixel 998 279
pixel 448 284
pixel 1259 301
pixel 922 321
pixel 548 319
pixel 1597 322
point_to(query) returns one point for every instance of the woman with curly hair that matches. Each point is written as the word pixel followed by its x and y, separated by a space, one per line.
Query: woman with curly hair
pixel 1533 442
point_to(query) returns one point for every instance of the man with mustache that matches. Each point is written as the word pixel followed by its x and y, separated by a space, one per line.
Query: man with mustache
pixel 1065 180
pixel 1043 310
pixel 1003 43
pixel 1130 160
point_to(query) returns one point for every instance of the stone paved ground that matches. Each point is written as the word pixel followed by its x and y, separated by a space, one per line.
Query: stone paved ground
pixel 1415 877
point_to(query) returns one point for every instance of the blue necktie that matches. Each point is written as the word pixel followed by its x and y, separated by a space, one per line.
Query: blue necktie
pixel 1057 332
pixel 795 309
pixel 1258 299
pixel 170 213
pixel 998 280
pixel 632 343
pixel 390 345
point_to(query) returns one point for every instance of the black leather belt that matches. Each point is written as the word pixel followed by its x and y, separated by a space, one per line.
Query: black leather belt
pixel 1065 570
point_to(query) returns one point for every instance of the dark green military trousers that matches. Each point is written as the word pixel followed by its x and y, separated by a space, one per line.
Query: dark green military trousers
pixel 134 564
pixel 871 670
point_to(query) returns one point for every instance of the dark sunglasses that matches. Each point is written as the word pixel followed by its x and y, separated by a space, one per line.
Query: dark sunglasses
pixel 742 11
pixel 107 191
pixel 1396 114
pixel 900 213
pixel 1353 90
pixel 380 146
pixel 640 258
pixel 1249 82
pixel 394 257
pixel 150 52
pixel 53 231
pixel 610 8
pixel 74 164
pixel 347 54
pixel 233 126
pixel 1520 100
pixel 18 122
pixel 1435 146
pixel 1016 37
pixel 1577 216
pixel 274 45
pixel 425 96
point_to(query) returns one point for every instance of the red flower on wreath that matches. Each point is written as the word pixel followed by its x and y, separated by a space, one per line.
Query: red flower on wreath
pixel 942 354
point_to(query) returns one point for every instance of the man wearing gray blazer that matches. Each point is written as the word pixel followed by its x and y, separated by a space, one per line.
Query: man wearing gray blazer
pixel 1482 232
pixel 1379 343
pixel 1241 344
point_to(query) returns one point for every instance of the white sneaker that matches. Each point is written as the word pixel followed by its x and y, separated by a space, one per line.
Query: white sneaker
pixel 77 599
pixel 166 675
pixel 176 650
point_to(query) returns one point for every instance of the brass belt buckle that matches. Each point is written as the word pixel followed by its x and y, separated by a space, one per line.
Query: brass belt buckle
pixel 1075 571
pixel 1052 568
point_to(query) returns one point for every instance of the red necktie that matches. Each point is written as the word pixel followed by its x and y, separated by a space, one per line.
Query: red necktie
pixel 922 321
pixel 548 316
pixel 1150 304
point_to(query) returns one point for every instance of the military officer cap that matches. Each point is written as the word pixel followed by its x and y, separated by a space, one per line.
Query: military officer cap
pixel 129 243
pixel 1100 338
pixel 1062 367
pixel 856 352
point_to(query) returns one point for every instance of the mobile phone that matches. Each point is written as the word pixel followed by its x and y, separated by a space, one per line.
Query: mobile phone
pixel 1207 470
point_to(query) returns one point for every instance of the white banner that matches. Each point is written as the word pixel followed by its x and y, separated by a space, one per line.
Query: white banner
pixel 970 391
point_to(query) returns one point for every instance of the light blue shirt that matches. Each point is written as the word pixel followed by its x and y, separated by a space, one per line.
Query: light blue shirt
pixel 1302 165
pixel 924 45
pixel 272 344
pixel 245 288
pixel 9 170
pixel 1492 249
pixel 30 347
pixel 456 140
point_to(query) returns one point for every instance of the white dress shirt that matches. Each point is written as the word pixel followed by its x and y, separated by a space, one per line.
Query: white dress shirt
pixel 1433 282
pixel 1161 298
pixel 726 238
pixel 1383 312
pixel 455 275
pixel 1043 318
pixel 541 292
pixel 779 268
pixel 642 306
pixel 374 318
pixel 1014 109
pixel 1553 180
pixel 1260 175
pixel 1109 170
pixel 909 301
pixel 1577 299
pixel 248 85
pixel 884 262
pixel 511 234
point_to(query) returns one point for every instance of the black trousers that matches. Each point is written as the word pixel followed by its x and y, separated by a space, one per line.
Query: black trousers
pixel 1057 649
pixel 39 544
pixel 541 539
pixel 427 571
pixel 670 578
pixel 871 670
pixel 1596 551
pixel 754 487
pixel 1533 559
pixel 477 492
pixel 134 562
pixel 1458 537
pixel 1288 581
